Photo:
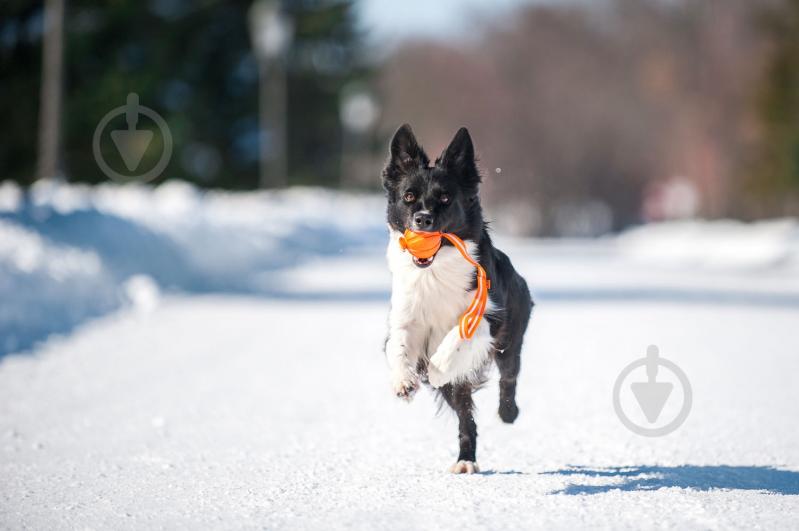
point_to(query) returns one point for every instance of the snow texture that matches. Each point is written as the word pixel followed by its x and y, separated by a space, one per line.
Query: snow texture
pixel 67 252
pixel 217 363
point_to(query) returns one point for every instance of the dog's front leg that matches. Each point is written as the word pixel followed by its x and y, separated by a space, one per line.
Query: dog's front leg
pixel 456 359
pixel 403 355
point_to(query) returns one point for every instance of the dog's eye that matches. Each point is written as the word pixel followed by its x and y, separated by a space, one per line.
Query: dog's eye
pixel 409 197
pixel 444 198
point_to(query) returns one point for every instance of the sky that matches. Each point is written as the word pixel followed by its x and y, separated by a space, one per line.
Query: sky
pixel 388 22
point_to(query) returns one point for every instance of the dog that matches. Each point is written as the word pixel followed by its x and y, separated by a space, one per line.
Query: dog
pixel 430 295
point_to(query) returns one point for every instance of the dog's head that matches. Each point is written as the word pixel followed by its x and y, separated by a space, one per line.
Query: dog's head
pixel 438 197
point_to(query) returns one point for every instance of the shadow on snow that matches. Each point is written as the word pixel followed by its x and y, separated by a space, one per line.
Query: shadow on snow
pixel 703 478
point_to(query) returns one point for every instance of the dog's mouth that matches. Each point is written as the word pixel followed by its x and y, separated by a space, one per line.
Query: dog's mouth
pixel 421 263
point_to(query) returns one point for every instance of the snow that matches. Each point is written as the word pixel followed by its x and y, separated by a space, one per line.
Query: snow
pixel 70 250
pixel 722 244
pixel 180 394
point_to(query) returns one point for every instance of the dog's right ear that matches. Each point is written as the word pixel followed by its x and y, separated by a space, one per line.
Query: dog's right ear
pixel 404 156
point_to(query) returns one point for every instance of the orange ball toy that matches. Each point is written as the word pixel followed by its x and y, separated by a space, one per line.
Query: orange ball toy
pixel 421 244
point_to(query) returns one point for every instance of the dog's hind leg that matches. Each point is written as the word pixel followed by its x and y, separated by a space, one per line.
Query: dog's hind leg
pixel 459 398
pixel 509 363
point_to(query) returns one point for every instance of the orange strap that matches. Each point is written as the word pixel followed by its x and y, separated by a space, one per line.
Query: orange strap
pixel 422 242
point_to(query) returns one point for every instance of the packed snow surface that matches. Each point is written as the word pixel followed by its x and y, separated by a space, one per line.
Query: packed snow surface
pixel 178 360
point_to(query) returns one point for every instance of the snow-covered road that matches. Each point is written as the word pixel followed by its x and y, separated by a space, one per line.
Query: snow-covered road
pixel 255 412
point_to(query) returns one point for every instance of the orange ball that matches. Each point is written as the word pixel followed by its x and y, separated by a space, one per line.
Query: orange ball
pixel 421 244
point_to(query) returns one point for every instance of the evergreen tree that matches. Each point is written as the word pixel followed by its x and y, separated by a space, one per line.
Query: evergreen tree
pixel 323 60
pixel 20 71
pixel 193 63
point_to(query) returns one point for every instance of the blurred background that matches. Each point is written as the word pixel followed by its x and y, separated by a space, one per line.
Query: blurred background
pixel 206 346
pixel 589 117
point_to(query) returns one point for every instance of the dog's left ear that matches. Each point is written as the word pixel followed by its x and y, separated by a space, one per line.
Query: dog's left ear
pixel 459 156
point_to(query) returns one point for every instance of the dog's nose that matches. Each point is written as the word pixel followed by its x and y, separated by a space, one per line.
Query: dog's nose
pixel 423 220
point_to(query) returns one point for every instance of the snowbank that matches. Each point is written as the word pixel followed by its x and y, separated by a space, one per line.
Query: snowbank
pixel 724 244
pixel 47 288
pixel 71 252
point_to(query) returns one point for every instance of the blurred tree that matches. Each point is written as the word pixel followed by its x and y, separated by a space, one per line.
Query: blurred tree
pixel 325 57
pixel 579 110
pixel 776 177
pixel 20 74
pixel 189 61
pixel 50 94
pixel 192 62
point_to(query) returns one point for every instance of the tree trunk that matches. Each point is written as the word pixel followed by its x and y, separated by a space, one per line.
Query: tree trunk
pixel 49 163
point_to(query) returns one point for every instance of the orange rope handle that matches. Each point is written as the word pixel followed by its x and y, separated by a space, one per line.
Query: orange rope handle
pixel 474 314
pixel 426 241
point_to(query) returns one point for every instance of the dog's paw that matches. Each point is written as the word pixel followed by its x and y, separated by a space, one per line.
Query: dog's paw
pixel 464 467
pixel 439 370
pixel 405 388
pixel 447 351
pixel 435 377
pixel 508 411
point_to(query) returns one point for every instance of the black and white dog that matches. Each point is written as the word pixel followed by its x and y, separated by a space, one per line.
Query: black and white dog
pixel 429 295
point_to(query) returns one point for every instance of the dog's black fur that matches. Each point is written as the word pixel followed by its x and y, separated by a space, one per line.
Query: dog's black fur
pixel 447 192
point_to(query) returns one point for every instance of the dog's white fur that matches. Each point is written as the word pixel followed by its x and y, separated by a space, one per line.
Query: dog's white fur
pixel 426 306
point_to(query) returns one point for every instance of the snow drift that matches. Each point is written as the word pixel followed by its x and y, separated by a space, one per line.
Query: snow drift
pixel 72 252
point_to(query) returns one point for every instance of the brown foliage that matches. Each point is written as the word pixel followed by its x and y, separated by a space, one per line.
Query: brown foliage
pixel 587 104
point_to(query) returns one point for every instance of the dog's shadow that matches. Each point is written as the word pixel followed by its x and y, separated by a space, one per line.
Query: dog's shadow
pixel 703 478
pixel 502 473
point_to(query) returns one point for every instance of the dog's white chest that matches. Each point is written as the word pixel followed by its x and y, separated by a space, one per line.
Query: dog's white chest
pixel 431 300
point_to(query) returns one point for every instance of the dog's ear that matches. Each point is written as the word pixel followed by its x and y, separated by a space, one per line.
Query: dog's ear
pixel 460 151
pixel 405 154
pixel 404 148
pixel 459 157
